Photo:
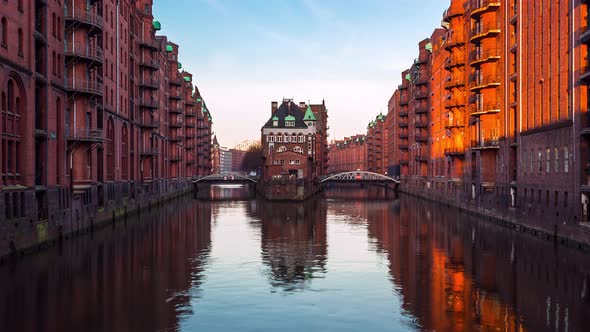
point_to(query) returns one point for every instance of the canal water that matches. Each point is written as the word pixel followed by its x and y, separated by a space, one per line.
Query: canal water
pixel 348 261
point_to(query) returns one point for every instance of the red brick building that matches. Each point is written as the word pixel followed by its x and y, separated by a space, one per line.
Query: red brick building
pixel 493 111
pixel 96 113
pixel 294 141
pixel 348 154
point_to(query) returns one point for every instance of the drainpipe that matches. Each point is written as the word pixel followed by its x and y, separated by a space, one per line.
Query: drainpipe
pixel 117 156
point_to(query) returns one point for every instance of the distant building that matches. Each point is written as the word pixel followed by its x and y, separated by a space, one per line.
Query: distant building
pixel 225 160
pixel 294 141
pixel 237 156
pixel 246 145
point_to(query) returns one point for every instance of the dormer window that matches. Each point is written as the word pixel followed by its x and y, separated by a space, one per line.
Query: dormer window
pixel 275 121
pixel 289 123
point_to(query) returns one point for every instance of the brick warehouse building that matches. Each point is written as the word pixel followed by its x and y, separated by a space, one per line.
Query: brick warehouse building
pixel 492 114
pixel 294 141
pixel 506 122
pixel 96 113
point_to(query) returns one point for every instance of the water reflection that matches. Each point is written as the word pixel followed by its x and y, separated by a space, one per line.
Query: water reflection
pixel 293 241
pixel 400 264
pixel 134 276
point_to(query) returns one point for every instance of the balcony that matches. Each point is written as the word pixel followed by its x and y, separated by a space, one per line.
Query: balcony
pixel 152 64
pixel 190 102
pixel 403 136
pixel 491 29
pixel 584 74
pixel 451 84
pixel 421 60
pixel 421 95
pixel 585 123
pixel 175 110
pixel 90 87
pixel 149 83
pixel 453 11
pixel 84 17
pixel 585 35
pixel 421 158
pixel 403 162
pixel 177 81
pixel 149 123
pixel 84 135
pixel 402 87
pixel 403 146
pixel 149 43
pixel 190 146
pixel 453 103
pixel 175 158
pixel 486 144
pixel 149 152
pixel 454 61
pixel 177 95
pixel 476 58
pixel 175 124
pixel 190 113
pixel 403 114
pixel 82 51
pixel 491 81
pixel 421 110
pixel 452 123
pixel 421 124
pixel 479 110
pixel 189 125
pixel 421 138
pixel 403 102
pixel 454 152
pixel 403 125
pixel 455 41
pixel 149 103
pixel 178 138
pixel 421 81
pixel 479 7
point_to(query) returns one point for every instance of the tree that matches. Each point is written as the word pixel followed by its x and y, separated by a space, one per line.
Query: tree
pixel 252 159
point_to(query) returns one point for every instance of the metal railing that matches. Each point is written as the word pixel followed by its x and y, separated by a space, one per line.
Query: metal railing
pixel 84 134
pixel 84 86
pixel 83 16
pixel 83 50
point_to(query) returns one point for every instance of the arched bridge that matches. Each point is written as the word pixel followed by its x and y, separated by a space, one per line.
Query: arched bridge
pixel 359 177
pixel 226 178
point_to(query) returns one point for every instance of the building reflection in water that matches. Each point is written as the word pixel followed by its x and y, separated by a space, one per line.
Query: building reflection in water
pixel 133 276
pixel 458 273
pixel 233 192
pixel 293 240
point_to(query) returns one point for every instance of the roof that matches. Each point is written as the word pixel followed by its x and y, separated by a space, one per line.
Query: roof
pixel 308 114
pixel 283 112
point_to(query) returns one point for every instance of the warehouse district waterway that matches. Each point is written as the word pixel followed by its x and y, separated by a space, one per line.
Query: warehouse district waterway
pixel 347 261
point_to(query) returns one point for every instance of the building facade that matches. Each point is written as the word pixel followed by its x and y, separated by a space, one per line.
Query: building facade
pixel 97 113
pixel 294 141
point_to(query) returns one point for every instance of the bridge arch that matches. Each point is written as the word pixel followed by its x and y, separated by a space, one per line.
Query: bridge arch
pixel 359 176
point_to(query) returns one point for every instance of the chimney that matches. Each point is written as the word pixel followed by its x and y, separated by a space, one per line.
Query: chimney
pixel 302 104
pixel 273 107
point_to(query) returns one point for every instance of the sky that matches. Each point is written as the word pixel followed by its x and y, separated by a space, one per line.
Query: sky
pixel 246 53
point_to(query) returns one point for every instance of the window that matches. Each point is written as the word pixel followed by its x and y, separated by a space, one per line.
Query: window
pixel 566 159
pixel 53 23
pixel 20 42
pixel 271 138
pixel 556 158
pixel 524 161
pixel 540 161
pixel 548 160
pixel 280 138
pixel 532 161
pixel 301 139
pixel 276 162
pixel 298 149
pixel 282 149
pixel 20 6
pixel 289 123
pixel 294 162
pixel 4 33
pixel 286 138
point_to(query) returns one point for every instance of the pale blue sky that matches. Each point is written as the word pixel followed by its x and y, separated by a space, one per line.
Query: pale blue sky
pixel 246 53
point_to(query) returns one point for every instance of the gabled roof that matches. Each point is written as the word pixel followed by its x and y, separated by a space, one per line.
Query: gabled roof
pixel 308 114
pixel 284 111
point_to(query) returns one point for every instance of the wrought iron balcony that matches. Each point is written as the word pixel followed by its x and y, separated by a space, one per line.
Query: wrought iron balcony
pixel 452 123
pixel 175 95
pixel 421 95
pixel 84 135
pixel 177 138
pixel 149 103
pixel 88 18
pixel 150 43
pixel 149 151
pixel 421 124
pixel 491 29
pixel 491 81
pixel 454 152
pixel 93 54
pixel 479 110
pixel 149 63
pixel 421 138
pixel 149 123
pixel 91 87
pixel 451 84
pixel 421 109
pixel 149 83
pixel 175 124
pixel 485 144
pixel 175 110
pixel 175 81
pixel 476 58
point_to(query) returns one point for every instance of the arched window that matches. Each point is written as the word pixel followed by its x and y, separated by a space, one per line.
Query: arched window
pixel 110 150
pixel 566 159
pixel 11 134
pixel 53 63
pixel 4 32
pixel 20 6
pixel 282 149
pixel 20 42
pixel 124 152
pixel 556 158
pixel 58 28
pixel 298 149
pixel 53 23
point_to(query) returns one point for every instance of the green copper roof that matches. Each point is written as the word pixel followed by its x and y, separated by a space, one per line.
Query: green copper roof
pixel 380 117
pixel 428 47
pixel 169 48
pixel 157 26
pixel 309 114
pixel 408 77
pixel 275 118
pixel 289 118
pixel 186 78
pixel 199 100
pixel 179 65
